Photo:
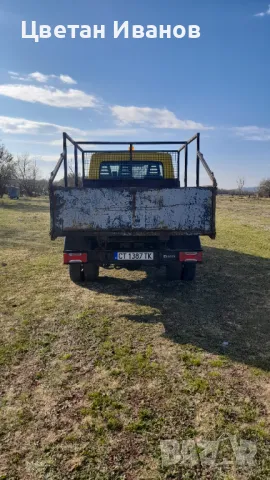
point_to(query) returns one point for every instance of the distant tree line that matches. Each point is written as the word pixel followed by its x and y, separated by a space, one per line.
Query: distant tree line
pixel 236 191
pixel 263 190
pixel 21 172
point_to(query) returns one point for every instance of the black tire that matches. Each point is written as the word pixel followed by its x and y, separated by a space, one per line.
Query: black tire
pixel 189 271
pixel 91 272
pixel 75 272
pixel 174 271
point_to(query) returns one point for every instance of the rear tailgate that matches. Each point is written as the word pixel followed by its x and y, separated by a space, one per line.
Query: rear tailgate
pixel 128 211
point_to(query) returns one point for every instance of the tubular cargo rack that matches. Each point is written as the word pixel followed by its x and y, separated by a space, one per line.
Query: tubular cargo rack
pixel 79 149
pixel 91 169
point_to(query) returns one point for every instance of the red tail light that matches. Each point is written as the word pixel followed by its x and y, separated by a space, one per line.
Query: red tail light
pixel 190 256
pixel 75 257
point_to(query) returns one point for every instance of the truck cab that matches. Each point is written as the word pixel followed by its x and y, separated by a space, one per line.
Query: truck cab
pixel 129 209
pixel 145 169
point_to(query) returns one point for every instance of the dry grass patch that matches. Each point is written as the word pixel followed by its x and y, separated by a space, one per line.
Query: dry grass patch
pixel 94 376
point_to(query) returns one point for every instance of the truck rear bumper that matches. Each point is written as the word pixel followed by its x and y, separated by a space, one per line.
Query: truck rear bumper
pixel 108 257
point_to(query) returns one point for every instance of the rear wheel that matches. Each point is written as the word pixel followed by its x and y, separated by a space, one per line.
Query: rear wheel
pixel 174 271
pixel 91 272
pixel 75 272
pixel 189 271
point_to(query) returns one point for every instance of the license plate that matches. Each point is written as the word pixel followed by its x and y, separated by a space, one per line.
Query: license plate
pixel 133 255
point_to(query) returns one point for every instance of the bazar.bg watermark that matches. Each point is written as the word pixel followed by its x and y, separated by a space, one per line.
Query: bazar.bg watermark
pixel 193 452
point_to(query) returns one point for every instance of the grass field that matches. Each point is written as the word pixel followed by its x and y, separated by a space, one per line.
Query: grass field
pixel 93 376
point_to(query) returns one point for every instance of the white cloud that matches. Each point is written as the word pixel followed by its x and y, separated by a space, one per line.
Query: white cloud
pixel 16 76
pixel 252 132
pixel 67 79
pixel 262 14
pixel 49 96
pixel 21 79
pixel 153 117
pixel 15 125
pixel 42 78
pixel 23 126
pixel 39 77
pixel 18 125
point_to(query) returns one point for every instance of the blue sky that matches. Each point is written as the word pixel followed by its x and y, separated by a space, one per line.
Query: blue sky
pixel 148 89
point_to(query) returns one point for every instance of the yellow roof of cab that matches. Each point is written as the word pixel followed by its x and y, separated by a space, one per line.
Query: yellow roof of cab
pixel 99 157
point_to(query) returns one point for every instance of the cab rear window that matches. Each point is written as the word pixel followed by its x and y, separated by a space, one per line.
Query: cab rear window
pixel 131 170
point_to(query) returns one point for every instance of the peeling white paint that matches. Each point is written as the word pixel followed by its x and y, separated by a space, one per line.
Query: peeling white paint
pixel 110 209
